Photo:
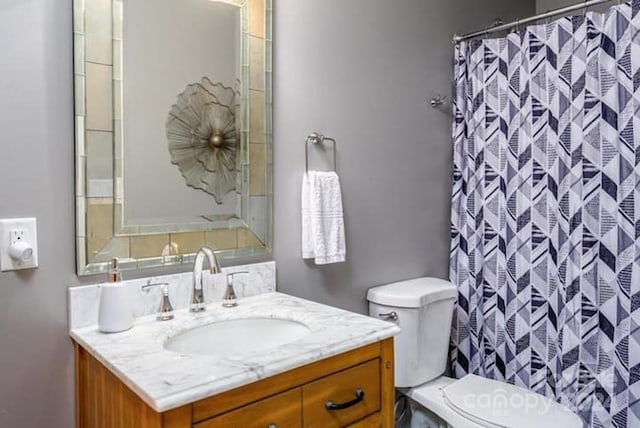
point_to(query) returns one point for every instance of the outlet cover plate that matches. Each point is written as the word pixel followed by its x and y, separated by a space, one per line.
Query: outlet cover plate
pixel 30 236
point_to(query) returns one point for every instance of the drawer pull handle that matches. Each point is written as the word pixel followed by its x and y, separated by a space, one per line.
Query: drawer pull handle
pixel 330 405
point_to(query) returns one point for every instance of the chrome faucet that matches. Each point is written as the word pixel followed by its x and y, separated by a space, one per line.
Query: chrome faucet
pixel 197 294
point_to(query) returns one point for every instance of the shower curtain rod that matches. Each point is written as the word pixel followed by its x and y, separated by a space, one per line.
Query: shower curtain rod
pixel 550 14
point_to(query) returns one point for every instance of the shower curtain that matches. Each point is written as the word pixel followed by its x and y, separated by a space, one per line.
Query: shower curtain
pixel 546 212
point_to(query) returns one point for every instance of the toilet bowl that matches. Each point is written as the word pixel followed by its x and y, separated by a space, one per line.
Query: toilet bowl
pixel 423 308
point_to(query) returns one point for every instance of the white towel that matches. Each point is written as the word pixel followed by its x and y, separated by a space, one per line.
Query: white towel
pixel 322 218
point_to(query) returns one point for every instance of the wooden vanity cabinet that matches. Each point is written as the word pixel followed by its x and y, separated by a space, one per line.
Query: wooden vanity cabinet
pixel 359 383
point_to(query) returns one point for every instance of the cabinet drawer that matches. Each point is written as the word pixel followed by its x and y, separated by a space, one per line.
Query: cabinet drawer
pixel 281 411
pixel 341 389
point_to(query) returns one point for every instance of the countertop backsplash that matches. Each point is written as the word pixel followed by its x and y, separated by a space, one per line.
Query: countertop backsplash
pixel 84 300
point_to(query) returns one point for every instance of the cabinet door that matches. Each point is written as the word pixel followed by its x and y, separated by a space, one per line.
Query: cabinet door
pixel 280 411
pixel 342 398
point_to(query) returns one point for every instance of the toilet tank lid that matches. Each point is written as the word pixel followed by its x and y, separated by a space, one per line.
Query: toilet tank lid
pixel 413 293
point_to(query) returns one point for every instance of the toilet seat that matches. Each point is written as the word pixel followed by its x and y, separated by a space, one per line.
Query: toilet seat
pixel 500 405
pixel 474 402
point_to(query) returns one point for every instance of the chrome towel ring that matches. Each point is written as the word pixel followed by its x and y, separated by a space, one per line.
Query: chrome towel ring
pixel 316 138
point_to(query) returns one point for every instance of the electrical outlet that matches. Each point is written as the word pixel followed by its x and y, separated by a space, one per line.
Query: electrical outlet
pixel 18 244
pixel 16 235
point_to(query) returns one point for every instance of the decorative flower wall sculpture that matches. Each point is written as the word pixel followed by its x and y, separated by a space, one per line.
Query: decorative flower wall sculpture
pixel 203 137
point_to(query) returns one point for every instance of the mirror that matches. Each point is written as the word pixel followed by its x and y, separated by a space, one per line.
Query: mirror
pixel 173 130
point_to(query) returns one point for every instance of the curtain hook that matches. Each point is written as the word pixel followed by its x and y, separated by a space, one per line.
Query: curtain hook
pixel 514 28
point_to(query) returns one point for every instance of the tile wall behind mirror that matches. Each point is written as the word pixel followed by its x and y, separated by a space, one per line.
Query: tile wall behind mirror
pixel 173 130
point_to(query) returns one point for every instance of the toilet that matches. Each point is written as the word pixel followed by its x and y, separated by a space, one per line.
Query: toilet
pixel 423 308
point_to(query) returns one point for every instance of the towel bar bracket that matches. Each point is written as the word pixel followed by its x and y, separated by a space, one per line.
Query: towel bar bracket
pixel 316 138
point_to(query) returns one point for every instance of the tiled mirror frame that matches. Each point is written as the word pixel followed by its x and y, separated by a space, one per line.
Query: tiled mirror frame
pixel 172 247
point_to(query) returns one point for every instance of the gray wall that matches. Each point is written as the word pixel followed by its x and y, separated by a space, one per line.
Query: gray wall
pixel 546 5
pixel 360 71
pixel 36 173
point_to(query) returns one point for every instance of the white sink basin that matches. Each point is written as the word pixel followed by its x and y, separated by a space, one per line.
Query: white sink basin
pixel 237 336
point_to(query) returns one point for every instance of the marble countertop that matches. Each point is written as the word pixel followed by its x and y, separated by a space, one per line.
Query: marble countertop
pixel 166 380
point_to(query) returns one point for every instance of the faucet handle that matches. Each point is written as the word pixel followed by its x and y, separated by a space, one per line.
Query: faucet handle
pixel 165 312
pixel 232 275
pixel 230 299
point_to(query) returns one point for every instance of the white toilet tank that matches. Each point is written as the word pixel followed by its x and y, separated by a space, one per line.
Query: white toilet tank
pixel 425 310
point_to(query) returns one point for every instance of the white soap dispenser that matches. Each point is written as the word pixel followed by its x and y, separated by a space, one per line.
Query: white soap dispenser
pixel 116 312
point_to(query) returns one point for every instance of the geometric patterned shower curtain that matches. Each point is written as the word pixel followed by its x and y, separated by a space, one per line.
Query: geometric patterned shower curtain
pixel 546 212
